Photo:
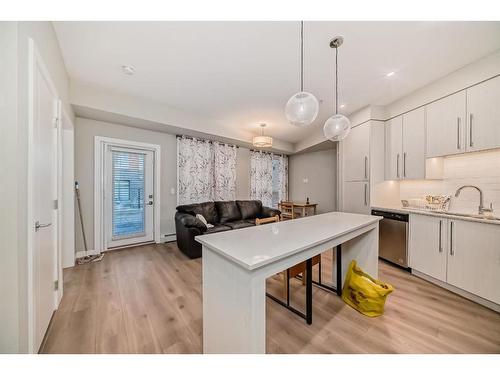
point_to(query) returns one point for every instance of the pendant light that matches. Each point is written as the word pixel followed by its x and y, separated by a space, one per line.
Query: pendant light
pixel 303 107
pixel 262 140
pixel 337 127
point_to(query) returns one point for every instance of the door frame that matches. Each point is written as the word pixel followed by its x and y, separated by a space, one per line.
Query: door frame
pixel 36 63
pixel 100 146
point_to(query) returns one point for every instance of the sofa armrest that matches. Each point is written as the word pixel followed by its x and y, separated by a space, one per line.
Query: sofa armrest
pixel 190 221
pixel 269 212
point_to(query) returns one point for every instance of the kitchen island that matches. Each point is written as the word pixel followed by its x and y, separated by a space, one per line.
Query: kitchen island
pixel 236 264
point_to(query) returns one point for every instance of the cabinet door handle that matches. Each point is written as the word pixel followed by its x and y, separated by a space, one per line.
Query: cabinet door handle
pixel 471 143
pixel 397 166
pixel 366 167
pixel 458 133
pixel 440 232
pixel 404 164
pixel 451 238
pixel 366 194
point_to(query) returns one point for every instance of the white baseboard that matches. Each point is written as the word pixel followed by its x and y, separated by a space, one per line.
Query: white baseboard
pixel 81 254
pixel 168 238
pixel 489 304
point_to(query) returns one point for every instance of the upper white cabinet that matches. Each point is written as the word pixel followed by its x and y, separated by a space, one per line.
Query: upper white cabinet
pixel 393 148
pixel 357 153
pixel 413 165
pixel 483 115
pixel 405 146
pixel 446 125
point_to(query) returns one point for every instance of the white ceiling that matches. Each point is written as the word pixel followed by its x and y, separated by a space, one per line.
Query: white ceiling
pixel 242 73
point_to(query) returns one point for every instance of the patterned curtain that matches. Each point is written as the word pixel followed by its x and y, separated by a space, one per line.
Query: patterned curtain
pixel 261 177
pixel 206 171
pixel 225 172
pixel 195 173
pixel 281 173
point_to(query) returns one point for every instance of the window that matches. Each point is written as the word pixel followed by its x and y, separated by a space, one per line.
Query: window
pixel 123 190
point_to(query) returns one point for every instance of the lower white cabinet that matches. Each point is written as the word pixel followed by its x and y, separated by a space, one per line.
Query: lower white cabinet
pixel 356 197
pixel 428 245
pixel 474 258
pixel 465 254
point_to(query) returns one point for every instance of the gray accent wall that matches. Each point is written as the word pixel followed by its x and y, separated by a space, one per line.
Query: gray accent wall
pixel 314 175
pixel 85 132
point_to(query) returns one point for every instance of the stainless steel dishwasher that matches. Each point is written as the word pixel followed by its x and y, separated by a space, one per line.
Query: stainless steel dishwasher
pixel 393 237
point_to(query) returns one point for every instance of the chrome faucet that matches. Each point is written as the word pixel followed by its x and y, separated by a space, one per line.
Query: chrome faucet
pixel 481 208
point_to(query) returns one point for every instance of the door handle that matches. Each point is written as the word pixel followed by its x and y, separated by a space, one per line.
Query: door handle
pixel 397 166
pixel 38 226
pixel 451 238
pixel 150 203
pixel 440 233
pixel 471 144
pixel 404 164
pixel 366 197
pixel 366 167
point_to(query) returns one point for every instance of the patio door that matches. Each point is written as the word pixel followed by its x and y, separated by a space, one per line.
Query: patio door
pixel 129 200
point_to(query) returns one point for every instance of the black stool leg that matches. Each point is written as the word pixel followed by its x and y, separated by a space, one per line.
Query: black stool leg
pixel 309 291
pixel 339 269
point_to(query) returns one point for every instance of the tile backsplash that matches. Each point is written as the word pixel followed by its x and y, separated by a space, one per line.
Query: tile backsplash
pixel 481 169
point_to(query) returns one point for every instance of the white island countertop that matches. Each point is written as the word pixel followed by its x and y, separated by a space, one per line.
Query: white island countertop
pixel 254 247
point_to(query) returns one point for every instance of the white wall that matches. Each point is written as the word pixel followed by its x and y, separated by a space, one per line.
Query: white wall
pixel 9 286
pixel 86 130
pixel 320 170
pixel 14 39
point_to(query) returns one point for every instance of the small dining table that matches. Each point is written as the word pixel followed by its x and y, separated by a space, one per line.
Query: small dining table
pixel 303 206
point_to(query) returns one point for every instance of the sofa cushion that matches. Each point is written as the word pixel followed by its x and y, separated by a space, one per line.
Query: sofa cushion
pixel 249 209
pixel 207 209
pixel 217 228
pixel 239 224
pixel 228 211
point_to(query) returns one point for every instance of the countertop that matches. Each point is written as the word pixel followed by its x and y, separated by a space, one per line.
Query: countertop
pixel 257 246
pixel 450 215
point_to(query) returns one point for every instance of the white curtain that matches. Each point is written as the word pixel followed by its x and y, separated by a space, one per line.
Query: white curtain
pixel 281 173
pixel 224 172
pixel 261 177
pixel 206 171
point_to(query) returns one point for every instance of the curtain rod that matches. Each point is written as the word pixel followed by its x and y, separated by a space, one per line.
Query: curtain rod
pixel 268 152
pixel 206 140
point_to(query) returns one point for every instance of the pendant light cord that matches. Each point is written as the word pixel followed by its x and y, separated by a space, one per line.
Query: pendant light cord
pixel 336 81
pixel 301 56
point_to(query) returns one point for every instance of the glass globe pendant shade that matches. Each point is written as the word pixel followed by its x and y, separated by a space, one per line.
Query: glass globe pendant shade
pixel 302 109
pixel 337 128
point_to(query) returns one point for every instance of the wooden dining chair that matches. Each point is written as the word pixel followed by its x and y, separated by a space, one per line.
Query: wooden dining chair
pixel 298 269
pixel 287 210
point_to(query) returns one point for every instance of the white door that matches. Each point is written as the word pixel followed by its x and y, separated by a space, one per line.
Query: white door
pixel 356 150
pixel 427 245
pixel 413 162
pixel 483 108
pixel 474 258
pixel 393 148
pixel 446 125
pixel 356 197
pixel 44 194
pixel 129 199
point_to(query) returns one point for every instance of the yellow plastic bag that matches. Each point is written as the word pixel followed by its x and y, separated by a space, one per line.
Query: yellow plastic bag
pixel 363 293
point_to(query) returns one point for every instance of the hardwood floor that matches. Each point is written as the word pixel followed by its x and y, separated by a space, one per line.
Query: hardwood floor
pixel 148 300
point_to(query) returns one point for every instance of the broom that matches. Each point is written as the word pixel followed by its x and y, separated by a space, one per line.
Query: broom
pixel 87 258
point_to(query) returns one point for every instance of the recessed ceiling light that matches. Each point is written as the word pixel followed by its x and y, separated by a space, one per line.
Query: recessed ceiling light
pixel 390 74
pixel 128 70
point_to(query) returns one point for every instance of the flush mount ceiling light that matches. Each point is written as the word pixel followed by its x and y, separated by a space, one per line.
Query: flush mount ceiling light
pixel 128 70
pixel 262 140
pixel 390 74
pixel 337 127
pixel 303 107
